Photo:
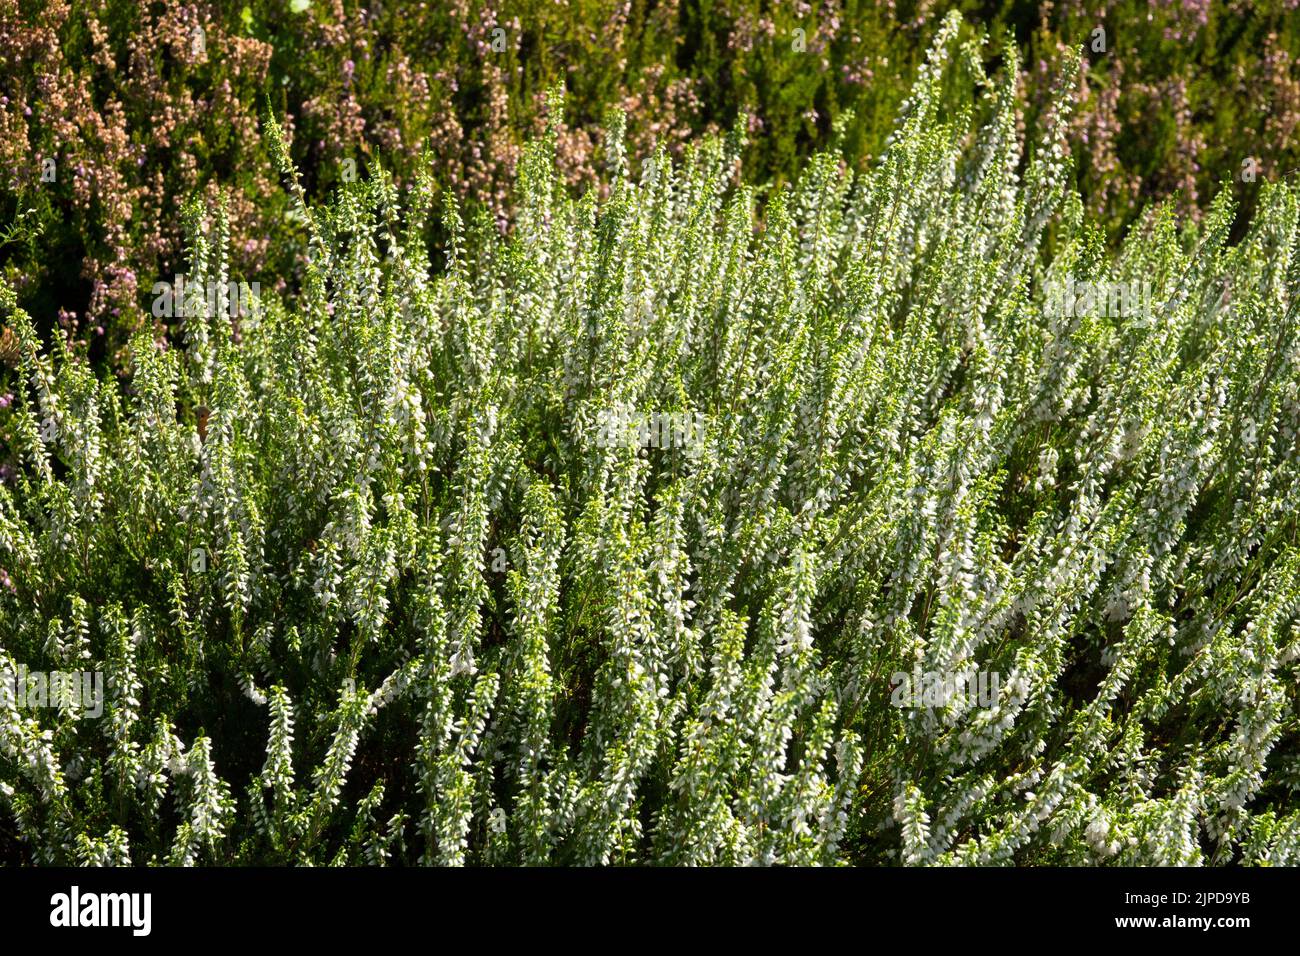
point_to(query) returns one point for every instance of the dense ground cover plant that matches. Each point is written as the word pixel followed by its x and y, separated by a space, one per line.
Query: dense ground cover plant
pixel 139 103
pixel 608 539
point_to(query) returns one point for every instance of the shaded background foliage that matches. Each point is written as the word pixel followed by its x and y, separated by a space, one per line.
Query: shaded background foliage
pixel 138 117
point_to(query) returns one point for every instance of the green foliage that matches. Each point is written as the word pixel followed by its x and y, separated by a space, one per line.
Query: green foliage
pixel 137 103
pixel 422 565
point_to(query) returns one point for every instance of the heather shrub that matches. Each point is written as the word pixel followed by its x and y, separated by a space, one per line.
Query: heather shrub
pixel 1174 99
pixel 140 105
pixel 638 533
